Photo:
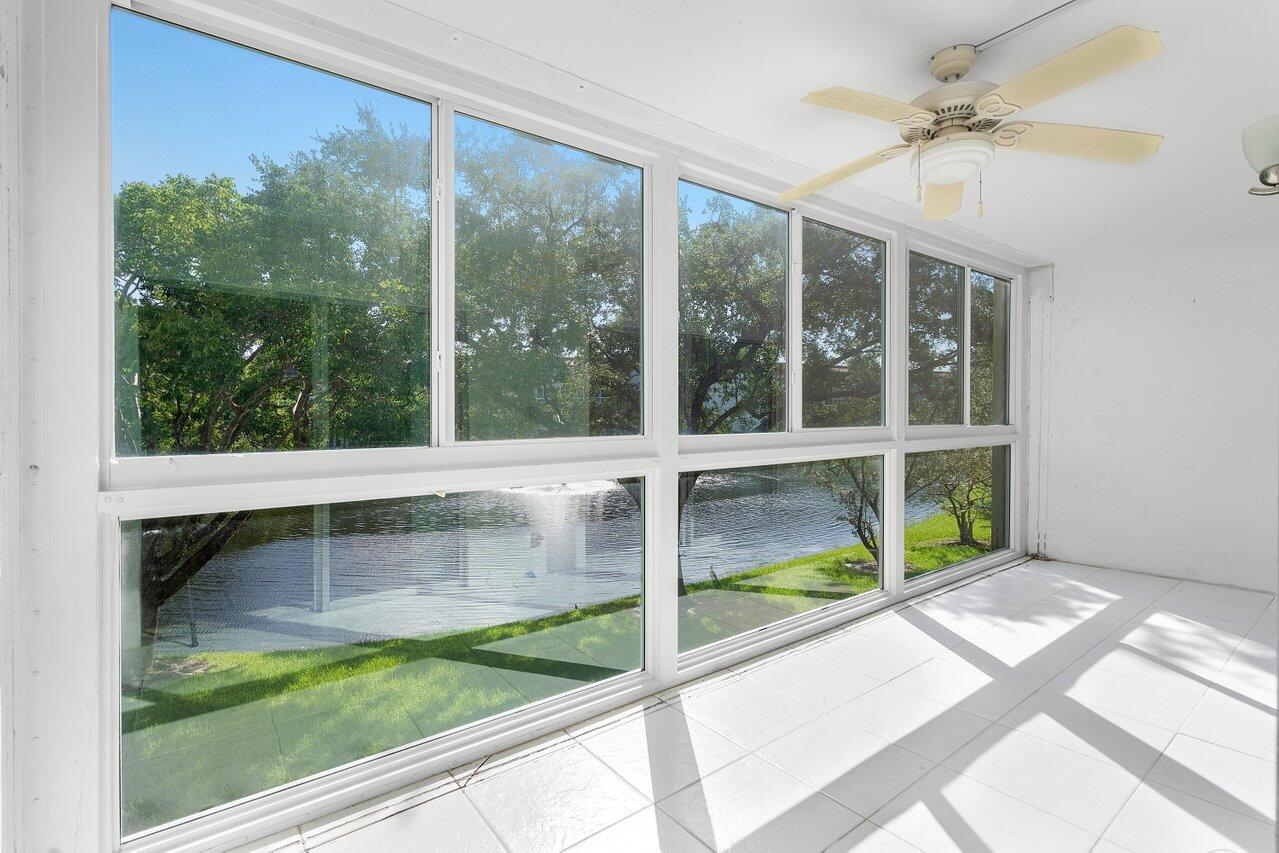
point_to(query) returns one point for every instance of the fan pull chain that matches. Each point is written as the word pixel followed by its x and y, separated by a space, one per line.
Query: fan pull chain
pixel 981 206
pixel 919 189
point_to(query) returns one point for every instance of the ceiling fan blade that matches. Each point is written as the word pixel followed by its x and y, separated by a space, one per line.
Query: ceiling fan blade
pixel 1069 140
pixel 867 104
pixel 847 170
pixel 1106 54
pixel 941 200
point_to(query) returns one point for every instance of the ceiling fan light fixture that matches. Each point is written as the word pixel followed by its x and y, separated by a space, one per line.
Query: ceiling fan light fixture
pixel 1261 150
pixel 953 159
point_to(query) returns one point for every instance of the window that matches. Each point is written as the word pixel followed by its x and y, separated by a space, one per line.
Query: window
pixel 732 313
pixel 264 646
pixel 275 290
pixel 936 324
pixel 549 283
pixel 956 506
pixel 757 545
pixel 272 251
pixel 843 339
pixel 988 354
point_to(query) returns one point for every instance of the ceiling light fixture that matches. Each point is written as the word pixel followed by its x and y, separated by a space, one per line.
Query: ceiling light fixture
pixel 953 159
pixel 1261 149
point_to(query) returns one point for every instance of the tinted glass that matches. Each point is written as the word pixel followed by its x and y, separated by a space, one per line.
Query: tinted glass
pixel 549 286
pixel 761 544
pixel 936 326
pixel 264 646
pixel 956 506
pixel 988 352
pixel 732 313
pixel 272 251
pixel 843 304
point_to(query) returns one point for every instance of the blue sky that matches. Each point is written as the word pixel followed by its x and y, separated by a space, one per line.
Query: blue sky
pixel 695 196
pixel 184 103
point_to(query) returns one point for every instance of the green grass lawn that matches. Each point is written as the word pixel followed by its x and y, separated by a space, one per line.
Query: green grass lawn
pixel 211 727
pixel 933 544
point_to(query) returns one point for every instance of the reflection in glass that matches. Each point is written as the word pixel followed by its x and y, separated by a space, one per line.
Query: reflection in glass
pixel 732 313
pixel 264 646
pixel 272 251
pixel 936 324
pixel 956 506
pixel 549 243
pixel 757 545
pixel 988 354
pixel 843 339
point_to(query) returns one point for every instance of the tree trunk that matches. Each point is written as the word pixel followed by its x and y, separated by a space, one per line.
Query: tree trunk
pixel 175 554
pixel 140 663
pixel 687 480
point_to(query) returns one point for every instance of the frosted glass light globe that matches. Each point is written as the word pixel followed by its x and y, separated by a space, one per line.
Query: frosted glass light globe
pixel 1261 144
pixel 953 159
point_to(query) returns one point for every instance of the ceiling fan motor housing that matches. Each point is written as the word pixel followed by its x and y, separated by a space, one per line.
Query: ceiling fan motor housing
pixel 952 104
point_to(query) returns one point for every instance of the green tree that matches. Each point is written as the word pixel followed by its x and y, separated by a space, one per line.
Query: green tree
pixel 289 317
pixel 936 316
pixel 549 288
pixel 732 289
pixel 858 484
pixel 843 338
pixel 959 481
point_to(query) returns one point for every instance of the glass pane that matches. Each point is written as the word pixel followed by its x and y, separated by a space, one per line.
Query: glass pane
pixel 936 323
pixel 732 313
pixel 264 646
pixel 988 358
pixel 843 327
pixel 757 545
pixel 550 280
pixel 272 251
pixel 956 506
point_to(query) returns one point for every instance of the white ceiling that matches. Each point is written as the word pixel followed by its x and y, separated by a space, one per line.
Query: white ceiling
pixel 739 67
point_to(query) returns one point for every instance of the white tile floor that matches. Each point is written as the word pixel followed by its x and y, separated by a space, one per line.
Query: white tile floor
pixel 1047 707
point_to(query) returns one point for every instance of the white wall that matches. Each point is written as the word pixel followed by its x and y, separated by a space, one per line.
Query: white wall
pixel 1157 437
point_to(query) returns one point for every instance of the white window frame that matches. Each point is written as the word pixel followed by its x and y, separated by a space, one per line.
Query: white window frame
pixel 142 487
pixel 861 229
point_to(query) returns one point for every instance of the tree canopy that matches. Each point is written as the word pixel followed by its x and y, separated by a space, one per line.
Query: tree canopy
pixel 549 288
pixel 732 299
pixel 290 316
pixel 936 322
pixel 843 337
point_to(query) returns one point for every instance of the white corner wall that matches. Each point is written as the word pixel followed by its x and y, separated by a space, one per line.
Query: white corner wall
pixel 1155 411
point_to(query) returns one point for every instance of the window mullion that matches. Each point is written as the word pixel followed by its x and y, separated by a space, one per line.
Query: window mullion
pixel 794 324
pixel 896 374
pixel 965 350
pixel 445 410
pixel 661 569
pixel 435 370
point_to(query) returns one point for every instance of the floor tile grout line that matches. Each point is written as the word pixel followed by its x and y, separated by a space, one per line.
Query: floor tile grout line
pixel 1000 722
pixel 1156 784
pixel 1093 833
pixel 936 763
pixel 833 635
pixel 880 826
pixel 1145 780
pixel 1097 836
pixel 1225 747
pixel 990 787
pixel 1211 679
pixel 485 820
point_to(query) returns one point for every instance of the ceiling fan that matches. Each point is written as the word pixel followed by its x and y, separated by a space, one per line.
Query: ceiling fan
pixel 954 130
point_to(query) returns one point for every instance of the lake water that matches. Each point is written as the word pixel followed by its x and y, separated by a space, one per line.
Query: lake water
pixel 412 566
